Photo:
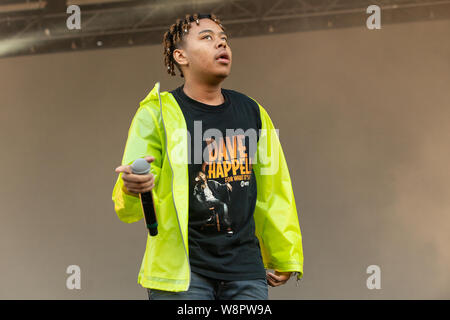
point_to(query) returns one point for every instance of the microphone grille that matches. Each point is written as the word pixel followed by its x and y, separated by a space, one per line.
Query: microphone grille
pixel 140 166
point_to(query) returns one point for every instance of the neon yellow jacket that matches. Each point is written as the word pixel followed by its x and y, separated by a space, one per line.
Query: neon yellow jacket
pixel 158 129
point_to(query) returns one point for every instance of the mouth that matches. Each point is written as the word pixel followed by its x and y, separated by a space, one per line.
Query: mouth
pixel 223 58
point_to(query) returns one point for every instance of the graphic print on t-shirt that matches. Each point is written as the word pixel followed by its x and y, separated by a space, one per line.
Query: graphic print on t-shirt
pixel 228 161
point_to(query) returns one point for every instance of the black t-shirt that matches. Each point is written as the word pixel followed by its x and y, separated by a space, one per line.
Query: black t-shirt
pixel 222 186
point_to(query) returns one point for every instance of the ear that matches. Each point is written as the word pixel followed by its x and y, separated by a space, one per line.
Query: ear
pixel 179 56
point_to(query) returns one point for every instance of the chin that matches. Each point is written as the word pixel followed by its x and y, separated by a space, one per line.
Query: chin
pixel 223 74
pixel 218 74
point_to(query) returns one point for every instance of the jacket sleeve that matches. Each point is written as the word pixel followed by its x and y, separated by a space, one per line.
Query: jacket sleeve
pixel 144 139
pixel 276 219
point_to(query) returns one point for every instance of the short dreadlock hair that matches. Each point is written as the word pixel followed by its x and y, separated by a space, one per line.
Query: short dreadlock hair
pixel 174 37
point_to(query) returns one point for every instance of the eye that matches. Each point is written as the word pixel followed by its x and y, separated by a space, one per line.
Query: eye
pixel 226 39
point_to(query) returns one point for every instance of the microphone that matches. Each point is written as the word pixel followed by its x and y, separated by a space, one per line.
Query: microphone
pixel 141 166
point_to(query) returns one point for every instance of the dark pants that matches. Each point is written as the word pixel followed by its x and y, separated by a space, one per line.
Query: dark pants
pixel 204 288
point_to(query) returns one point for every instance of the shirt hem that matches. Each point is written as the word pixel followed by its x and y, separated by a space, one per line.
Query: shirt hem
pixel 229 276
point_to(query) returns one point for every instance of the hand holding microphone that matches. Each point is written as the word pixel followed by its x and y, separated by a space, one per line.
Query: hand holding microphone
pixel 138 181
pixel 135 183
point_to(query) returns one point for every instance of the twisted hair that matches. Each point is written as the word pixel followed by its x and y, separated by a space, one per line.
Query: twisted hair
pixel 173 38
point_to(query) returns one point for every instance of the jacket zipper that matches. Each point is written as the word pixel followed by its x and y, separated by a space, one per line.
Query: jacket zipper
pixel 173 198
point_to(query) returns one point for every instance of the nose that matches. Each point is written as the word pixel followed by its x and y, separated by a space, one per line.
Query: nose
pixel 222 43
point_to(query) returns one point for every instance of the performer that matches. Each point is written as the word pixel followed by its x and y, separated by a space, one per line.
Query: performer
pixel 212 151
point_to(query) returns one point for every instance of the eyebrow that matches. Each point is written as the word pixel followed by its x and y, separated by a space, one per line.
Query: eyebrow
pixel 207 30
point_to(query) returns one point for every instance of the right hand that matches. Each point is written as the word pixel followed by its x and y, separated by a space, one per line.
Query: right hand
pixel 136 183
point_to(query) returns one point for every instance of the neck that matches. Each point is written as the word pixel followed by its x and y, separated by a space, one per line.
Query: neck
pixel 204 92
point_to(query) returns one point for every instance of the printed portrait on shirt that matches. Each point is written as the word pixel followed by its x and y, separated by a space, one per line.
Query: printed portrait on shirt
pixel 227 169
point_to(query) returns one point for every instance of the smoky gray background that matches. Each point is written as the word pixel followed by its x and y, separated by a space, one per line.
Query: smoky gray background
pixel 363 120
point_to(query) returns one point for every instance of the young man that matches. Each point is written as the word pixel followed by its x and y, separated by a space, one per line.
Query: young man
pixel 216 161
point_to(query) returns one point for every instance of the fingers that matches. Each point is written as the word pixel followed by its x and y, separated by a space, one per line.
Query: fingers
pixel 275 281
pixel 135 183
pixel 275 277
pixel 139 186
pixel 123 169
pixel 271 282
pixel 141 189
pixel 137 178
pixel 150 159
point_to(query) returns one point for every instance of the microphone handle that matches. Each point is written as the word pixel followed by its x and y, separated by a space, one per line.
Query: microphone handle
pixel 149 212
